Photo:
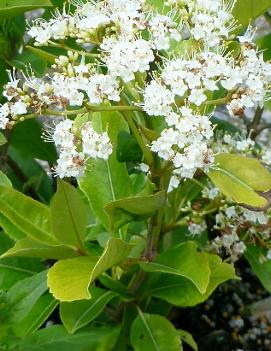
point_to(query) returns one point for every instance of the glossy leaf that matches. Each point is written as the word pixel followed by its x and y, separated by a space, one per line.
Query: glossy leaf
pixel 22 216
pixel 14 269
pixel 12 8
pixel 56 338
pixel 28 247
pixel 260 265
pixel 247 11
pixel 150 332
pixel 69 280
pixel 133 208
pixel 68 215
pixel 182 292
pixel 106 181
pixel 77 314
pixel 241 178
pixel 40 312
pixel 35 147
pixel 23 295
pixel 183 260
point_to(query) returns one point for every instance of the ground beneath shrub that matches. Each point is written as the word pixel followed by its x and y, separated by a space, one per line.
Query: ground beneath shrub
pixel 226 322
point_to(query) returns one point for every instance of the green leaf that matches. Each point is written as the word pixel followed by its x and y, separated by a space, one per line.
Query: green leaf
pixel 26 137
pixel 241 179
pixel 3 139
pixel 40 312
pixel 106 181
pixel 28 247
pixel 188 339
pixel 68 215
pixel 14 269
pixel 77 314
pixel 42 54
pixel 133 208
pixel 12 8
pixel 150 332
pixel 264 45
pixel 28 176
pixel 182 292
pixel 260 265
pixel 23 295
pixel 56 338
pixel 128 149
pixel 69 280
pixel 183 260
pixel 25 59
pixel 245 12
pixel 4 181
pixel 22 216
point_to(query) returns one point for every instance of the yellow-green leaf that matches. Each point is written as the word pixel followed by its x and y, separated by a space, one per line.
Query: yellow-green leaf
pixel 28 247
pixel 69 280
pixel 12 8
pixel 183 260
pixel 27 217
pixel 133 208
pixel 151 332
pixel 68 215
pixel 241 179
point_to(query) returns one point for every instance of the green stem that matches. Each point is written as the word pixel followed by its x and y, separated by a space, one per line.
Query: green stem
pixel 66 47
pixel 221 101
pixel 86 109
pixel 112 108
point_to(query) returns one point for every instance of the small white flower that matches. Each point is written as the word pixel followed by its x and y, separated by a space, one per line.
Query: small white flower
pixel 197 96
pixel 18 108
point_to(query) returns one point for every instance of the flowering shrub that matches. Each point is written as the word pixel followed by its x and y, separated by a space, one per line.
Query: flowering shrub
pixel 156 198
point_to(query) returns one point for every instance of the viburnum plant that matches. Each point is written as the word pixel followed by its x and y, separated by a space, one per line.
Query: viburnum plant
pixel 156 199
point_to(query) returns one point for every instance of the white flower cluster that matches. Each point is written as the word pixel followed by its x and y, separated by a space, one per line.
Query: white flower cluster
pixel 212 20
pixel 17 102
pixel 250 79
pixel 232 221
pixel 124 57
pixel 185 143
pixel 74 150
pixel 93 19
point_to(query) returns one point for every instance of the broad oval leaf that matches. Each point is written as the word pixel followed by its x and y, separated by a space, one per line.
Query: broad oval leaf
pixel 150 332
pixel 12 8
pixel 22 216
pixel 182 292
pixel 69 280
pixel 56 338
pixel 133 208
pixel 75 315
pixel 28 247
pixel 68 216
pixel 183 260
pixel 241 179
